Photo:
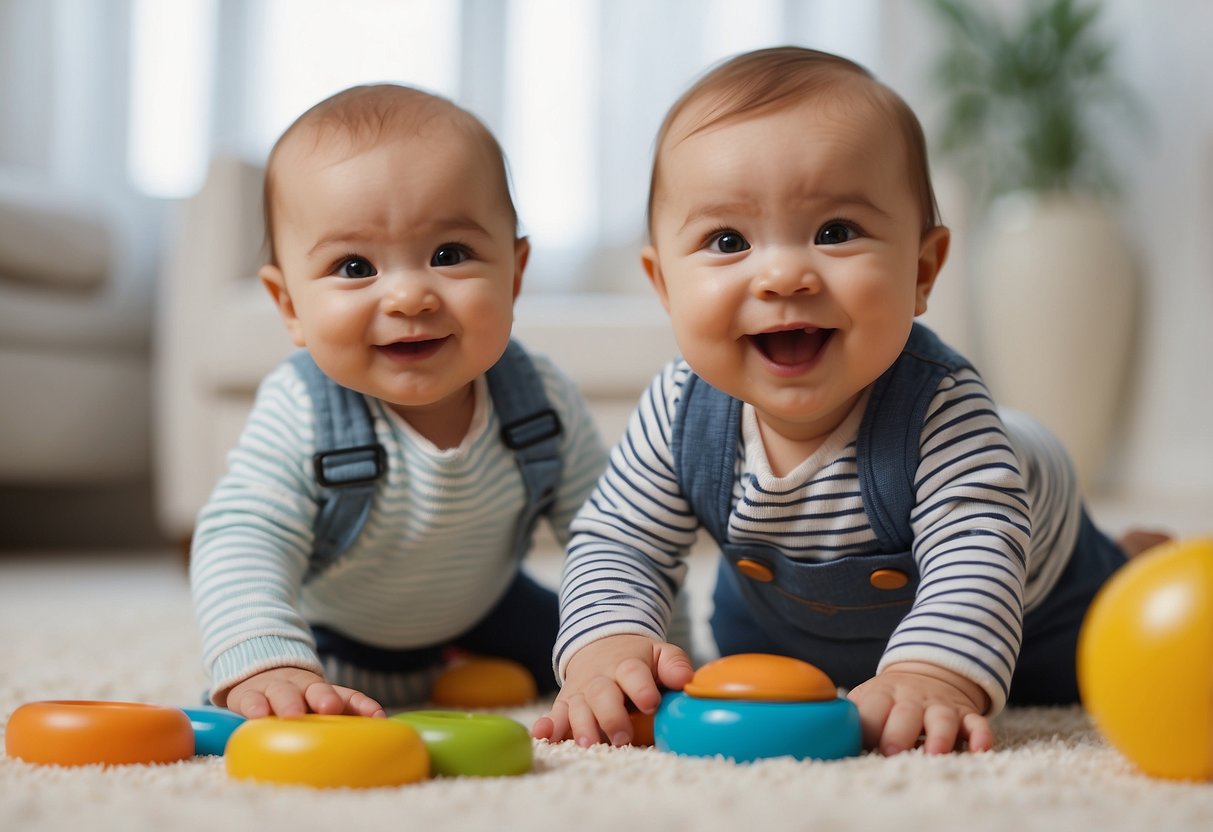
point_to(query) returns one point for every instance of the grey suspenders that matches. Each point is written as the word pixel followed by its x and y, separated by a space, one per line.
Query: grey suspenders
pixel 349 459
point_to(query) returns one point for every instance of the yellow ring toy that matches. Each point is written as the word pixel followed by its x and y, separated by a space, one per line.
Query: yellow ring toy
pixel 476 745
pixel 327 752
pixel 84 732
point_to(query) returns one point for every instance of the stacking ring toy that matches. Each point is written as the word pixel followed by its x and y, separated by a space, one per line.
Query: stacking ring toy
pixel 212 728
pixel 747 731
pixel 479 745
pixel 763 677
pixel 327 752
pixel 752 705
pixel 80 733
pixel 642 728
pixel 483 682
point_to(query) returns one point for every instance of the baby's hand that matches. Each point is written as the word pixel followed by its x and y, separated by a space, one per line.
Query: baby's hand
pixel 291 691
pixel 599 680
pixel 911 699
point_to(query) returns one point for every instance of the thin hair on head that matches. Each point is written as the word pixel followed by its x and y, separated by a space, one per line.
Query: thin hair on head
pixel 766 80
pixel 364 115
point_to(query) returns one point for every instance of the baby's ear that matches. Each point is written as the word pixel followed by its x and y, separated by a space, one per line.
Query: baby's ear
pixel 522 253
pixel 275 283
pixel 652 267
pixel 932 254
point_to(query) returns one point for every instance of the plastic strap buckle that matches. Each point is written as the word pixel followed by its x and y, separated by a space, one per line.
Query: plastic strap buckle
pixel 531 430
pixel 328 465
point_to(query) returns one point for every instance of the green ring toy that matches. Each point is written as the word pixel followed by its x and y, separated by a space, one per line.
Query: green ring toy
pixel 469 744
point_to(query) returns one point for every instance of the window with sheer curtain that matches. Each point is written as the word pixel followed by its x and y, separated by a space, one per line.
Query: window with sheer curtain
pixel 574 89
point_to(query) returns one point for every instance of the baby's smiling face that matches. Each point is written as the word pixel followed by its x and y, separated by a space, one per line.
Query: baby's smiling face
pixel 788 249
pixel 398 262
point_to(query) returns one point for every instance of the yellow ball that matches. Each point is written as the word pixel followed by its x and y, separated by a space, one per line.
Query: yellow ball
pixel 1145 660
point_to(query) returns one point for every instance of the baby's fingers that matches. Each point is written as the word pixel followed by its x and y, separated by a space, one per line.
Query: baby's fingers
pixel 941 725
pixel 583 724
pixel 635 681
pixel 606 700
pixel 250 703
pixel 357 703
pixel 874 708
pixel 902 729
pixel 322 698
pixel 674 668
pixel 554 725
pixel 285 699
pixel 976 729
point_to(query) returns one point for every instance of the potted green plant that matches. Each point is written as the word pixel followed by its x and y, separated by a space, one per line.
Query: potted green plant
pixel 1055 281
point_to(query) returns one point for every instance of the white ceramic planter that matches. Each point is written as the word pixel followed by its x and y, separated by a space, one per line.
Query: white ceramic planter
pixel 1055 310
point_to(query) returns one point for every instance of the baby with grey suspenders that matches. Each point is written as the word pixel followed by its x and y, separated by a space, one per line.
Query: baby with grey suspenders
pixel 382 496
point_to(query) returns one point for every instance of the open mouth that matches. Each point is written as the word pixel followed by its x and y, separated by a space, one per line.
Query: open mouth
pixel 792 347
pixel 413 350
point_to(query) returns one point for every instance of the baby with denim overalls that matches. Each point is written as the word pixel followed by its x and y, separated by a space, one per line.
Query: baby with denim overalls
pixel 876 513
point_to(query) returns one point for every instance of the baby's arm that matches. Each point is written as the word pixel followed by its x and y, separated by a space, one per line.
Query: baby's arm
pixel 971 529
pixel 291 691
pixel 600 680
pixel 912 699
pixel 624 566
pixel 250 553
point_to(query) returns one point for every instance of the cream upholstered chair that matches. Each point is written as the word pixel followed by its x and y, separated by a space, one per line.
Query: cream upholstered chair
pixel 218 334
pixel 75 320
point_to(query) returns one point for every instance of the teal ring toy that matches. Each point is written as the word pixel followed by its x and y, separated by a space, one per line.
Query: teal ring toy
pixel 745 730
pixel 471 744
pixel 212 728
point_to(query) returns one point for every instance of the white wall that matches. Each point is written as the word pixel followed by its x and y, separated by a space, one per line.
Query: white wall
pixel 1164 450
pixel 1168 215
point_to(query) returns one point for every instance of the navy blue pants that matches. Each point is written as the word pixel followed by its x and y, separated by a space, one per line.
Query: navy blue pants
pixel 1046 672
pixel 521 627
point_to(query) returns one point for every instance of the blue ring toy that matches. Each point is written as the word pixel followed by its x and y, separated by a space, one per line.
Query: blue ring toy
pixel 212 728
pixel 746 730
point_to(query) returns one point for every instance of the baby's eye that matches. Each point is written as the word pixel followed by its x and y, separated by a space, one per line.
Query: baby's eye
pixel 355 267
pixel 728 242
pixel 833 233
pixel 450 254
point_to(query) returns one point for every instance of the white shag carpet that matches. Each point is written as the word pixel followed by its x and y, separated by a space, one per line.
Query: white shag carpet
pixel 127 633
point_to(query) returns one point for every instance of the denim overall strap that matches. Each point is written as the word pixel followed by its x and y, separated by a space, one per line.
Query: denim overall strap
pixel 703 443
pixel 531 429
pixel 348 462
pixel 887 449
pixel 837 614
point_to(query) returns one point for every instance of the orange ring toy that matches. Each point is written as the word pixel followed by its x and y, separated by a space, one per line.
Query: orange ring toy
pixel 83 732
pixel 484 682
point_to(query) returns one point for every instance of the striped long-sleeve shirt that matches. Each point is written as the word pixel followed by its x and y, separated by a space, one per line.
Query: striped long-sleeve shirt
pixel 435 554
pixel 980 564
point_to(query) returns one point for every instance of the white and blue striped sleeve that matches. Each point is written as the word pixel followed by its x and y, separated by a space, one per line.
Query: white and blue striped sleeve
pixel 625 559
pixel 253 539
pixel 971 533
